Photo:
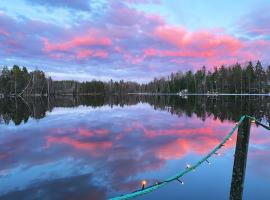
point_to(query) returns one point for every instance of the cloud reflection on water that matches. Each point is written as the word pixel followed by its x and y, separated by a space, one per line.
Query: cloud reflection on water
pixel 103 151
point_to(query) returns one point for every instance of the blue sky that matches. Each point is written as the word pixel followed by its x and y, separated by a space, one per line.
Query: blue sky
pixel 104 39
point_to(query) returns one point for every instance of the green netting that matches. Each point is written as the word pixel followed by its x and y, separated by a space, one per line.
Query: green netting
pixel 189 169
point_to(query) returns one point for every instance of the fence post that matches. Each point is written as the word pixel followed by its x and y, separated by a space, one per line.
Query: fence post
pixel 240 160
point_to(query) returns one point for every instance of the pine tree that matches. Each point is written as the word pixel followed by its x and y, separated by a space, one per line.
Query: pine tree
pixel 250 75
pixel 259 73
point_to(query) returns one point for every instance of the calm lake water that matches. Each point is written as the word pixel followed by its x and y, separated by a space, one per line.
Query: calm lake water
pixel 100 147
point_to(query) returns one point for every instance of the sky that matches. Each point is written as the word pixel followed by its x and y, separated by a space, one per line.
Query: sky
pixel 133 40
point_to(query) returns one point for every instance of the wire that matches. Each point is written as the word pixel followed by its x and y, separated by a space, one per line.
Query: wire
pixel 190 168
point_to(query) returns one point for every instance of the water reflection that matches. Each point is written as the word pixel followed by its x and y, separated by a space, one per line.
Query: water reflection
pixel 64 188
pixel 99 147
pixel 222 107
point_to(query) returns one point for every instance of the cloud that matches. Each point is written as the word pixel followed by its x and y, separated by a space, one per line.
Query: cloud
pixel 3 32
pixel 211 47
pixel 80 47
pixel 76 42
pixel 83 5
pixel 255 24
pixel 75 187
pixel 126 42
pixel 119 149
pixel 78 144
pixel 143 1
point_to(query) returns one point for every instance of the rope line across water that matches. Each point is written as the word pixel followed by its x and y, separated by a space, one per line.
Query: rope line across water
pixel 191 168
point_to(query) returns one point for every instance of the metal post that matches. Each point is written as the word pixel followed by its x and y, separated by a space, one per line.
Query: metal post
pixel 240 160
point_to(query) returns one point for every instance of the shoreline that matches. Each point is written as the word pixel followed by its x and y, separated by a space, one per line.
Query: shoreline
pixel 203 94
pixel 137 93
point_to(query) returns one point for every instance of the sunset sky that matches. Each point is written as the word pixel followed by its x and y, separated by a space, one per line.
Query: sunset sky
pixel 131 39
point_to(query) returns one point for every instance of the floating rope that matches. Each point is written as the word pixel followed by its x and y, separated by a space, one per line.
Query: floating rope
pixel 189 168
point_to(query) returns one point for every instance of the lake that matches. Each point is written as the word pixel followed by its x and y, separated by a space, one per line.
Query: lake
pixel 96 147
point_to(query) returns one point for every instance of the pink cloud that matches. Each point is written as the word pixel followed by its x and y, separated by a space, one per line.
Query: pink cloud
pixel 194 131
pixel 185 138
pixel 168 53
pixel 78 47
pixel 78 144
pixel 101 54
pixel 84 54
pixel 178 45
pixel 172 35
pixel 76 42
pixel 199 44
pixel 4 32
pixel 85 132
pixel 102 131
pixel 181 147
pixel 117 49
pixel 90 133
pixel 182 38
pixel 129 38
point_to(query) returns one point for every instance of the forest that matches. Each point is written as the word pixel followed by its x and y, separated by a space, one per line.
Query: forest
pixel 237 79
pixel 18 81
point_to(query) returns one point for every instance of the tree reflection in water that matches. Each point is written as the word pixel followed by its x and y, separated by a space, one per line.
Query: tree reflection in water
pixel 97 152
pixel 221 107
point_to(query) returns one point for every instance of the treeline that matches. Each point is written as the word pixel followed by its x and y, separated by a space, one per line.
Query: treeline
pixel 19 82
pixel 249 78
pixel 232 79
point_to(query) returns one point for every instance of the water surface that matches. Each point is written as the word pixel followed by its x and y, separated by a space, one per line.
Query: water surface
pixel 100 147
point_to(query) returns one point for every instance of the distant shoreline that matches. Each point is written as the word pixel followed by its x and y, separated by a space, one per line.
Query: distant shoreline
pixel 138 93
pixel 203 94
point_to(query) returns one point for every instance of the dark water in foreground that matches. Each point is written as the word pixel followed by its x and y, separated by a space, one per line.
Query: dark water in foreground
pixel 101 147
